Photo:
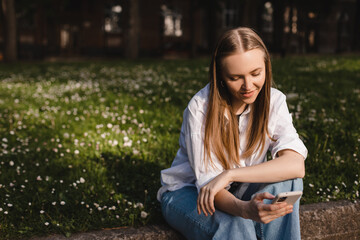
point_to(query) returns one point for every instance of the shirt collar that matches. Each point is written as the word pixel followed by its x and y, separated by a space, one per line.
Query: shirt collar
pixel 245 112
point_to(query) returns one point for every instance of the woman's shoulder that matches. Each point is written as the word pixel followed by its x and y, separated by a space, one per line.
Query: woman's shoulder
pixel 277 101
pixel 200 99
pixel 276 95
pixel 203 94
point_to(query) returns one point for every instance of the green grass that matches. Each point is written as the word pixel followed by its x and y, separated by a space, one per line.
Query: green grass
pixel 82 144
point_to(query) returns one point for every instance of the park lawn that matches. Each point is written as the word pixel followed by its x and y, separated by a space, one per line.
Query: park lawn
pixel 82 143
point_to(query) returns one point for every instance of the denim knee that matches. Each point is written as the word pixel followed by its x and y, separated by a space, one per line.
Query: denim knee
pixel 180 212
pixel 179 209
pixel 284 186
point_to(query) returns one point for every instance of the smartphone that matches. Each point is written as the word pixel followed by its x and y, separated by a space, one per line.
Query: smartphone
pixel 289 197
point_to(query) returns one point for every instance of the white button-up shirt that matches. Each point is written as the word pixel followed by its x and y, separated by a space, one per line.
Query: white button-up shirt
pixel 188 168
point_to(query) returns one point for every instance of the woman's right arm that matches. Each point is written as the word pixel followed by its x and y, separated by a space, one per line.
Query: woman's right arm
pixel 225 201
pixel 254 209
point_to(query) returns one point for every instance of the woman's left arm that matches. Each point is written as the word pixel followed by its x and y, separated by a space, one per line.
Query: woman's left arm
pixel 288 165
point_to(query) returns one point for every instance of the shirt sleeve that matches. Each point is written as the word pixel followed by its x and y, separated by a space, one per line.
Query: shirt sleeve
pixel 193 134
pixel 284 132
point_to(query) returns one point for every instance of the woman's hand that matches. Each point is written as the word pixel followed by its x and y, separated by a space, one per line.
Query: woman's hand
pixel 205 201
pixel 258 211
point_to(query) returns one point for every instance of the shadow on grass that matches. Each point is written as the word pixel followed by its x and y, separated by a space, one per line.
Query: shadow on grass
pixel 136 179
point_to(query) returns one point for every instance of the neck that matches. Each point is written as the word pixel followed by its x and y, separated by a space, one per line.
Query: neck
pixel 238 108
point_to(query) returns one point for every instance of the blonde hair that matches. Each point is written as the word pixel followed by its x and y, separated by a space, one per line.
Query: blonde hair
pixel 221 134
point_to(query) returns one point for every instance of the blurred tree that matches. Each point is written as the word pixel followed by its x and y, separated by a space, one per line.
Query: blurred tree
pixel 356 41
pixel 279 8
pixel 10 41
pixel 132 30
pixel 196 7
pixel 215 23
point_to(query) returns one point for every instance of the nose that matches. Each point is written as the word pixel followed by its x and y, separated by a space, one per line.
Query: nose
pixel 247 84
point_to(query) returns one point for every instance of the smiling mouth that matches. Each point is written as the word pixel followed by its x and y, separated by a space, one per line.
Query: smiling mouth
pixel 247 94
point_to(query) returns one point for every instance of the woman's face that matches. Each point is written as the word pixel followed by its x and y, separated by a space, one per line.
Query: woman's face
pixel 244 76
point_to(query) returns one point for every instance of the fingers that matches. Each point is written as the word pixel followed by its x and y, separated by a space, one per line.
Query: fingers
pixel 282 209
pixel 211 203
pixel 205 202
pixel 263 195
pixel 273 207
pixel 265 213
pixel 276 214
pixel 200 203
pixel 269 212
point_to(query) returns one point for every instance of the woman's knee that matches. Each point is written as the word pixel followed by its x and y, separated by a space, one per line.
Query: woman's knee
pixel 298 184
pixel 283 186
pixel 180 212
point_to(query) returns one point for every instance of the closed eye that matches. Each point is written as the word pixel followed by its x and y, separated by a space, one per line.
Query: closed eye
pixel 256 72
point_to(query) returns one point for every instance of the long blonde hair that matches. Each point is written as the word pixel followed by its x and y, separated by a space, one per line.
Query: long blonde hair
pixel 221 124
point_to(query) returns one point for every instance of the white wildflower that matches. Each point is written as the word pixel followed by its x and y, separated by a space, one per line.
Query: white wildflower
pixel 143 214
pixel 139 205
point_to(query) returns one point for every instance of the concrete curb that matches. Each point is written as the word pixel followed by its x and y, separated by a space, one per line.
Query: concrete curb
pixel 332 220
pixel 325 221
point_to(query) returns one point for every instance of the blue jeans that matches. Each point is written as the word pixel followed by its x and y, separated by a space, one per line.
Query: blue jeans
pixel 179 210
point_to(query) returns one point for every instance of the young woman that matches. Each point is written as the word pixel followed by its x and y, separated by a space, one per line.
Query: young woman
pixel 220 185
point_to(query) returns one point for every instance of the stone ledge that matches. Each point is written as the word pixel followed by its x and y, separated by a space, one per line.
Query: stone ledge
pixel 332 220
pixel 325 221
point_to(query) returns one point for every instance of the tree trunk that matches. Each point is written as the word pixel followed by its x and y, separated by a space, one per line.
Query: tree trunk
pixel 356 40
pixel 193 10
pixel 215 21
pixel 132 42
pixel 10 53
pixel 279 27
pixel 250 14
